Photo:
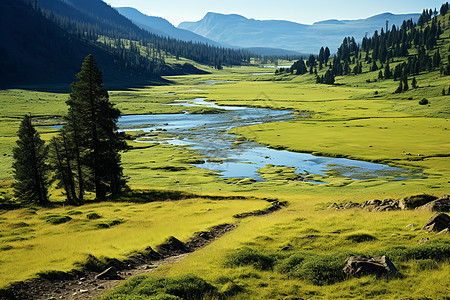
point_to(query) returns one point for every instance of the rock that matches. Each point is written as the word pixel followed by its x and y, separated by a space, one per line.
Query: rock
pixel 423 240
pixel 350 205
pixel 334 206
pixel 361 265
pixel 412 202
pixel 310 236
pixel 387 202
pixel 108 274
pixel 442 204
pixel 172 246
pixel 445 231
pixel 386 208
pixel 374 202
pixel 437 223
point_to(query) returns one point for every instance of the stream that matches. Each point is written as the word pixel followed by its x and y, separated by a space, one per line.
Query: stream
pixel 207 133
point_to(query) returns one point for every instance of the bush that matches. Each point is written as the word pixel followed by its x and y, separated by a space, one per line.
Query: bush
pixel 437 250
pixel 360 237
pixel 426 264
pixel 290 264
pixel 110 223
pixel 323 270
pixel 187 287
pixel 424 101
pixel 56 219
pixel 250 257
pixel 93 216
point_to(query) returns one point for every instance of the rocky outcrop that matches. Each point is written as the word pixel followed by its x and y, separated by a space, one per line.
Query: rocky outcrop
pixel 439 205
pixel 362 265
pixel 420 202
pixel 371 205
pixel 437 223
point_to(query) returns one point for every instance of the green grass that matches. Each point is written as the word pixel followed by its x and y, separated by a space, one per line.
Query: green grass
pixel 348 120
pixel 127 227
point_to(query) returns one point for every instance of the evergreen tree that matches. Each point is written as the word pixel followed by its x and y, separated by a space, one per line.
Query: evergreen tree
pixel 374 66
pixel 30 167
pixel 400 88
pixel 414 83
pixel 405 81
pixel 92 126
pixel 327 54
pixel 387 71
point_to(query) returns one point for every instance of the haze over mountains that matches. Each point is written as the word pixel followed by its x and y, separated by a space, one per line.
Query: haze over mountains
pixel 161 26
pixel 240 31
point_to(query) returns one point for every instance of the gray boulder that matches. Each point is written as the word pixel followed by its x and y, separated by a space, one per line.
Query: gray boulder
pixel 437 223
pixel 442 204
pixel 362 265
pixel 108 274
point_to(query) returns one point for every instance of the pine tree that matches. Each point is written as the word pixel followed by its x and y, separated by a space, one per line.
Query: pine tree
pixel 92 126
pixel 30 167
pixel 387 71
pixel 414 83
pixel 400 88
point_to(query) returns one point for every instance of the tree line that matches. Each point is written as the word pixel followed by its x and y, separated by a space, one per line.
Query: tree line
pixel 104 21
pixel 83 157
pixel 382 48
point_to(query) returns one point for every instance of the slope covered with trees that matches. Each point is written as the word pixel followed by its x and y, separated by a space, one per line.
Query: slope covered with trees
pixel 395 53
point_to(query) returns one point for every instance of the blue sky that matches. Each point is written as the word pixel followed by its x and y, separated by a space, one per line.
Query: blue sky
pixel 301 11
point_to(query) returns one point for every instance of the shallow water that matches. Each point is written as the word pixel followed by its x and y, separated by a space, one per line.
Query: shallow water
pixel 207 133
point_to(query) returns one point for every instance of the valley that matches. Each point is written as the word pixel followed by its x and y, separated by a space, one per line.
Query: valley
pixel 247 176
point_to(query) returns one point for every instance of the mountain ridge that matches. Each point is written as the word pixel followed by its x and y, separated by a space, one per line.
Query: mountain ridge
pixel 161 26
pixel 237 30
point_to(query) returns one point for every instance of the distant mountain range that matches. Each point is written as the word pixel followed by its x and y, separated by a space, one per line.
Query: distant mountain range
pixel 162 27
pixel 242 32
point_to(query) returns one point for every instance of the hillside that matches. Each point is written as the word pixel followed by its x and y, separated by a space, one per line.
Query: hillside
pixel 38 51
pixel 239 31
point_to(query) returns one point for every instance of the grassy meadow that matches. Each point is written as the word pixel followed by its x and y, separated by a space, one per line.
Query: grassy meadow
pixel 356 119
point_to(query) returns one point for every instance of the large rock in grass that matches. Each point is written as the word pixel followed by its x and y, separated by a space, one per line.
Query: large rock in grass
pixel 108 274
pixel 437 223
pixel 362 265
pixel 172 246
pixel 442 204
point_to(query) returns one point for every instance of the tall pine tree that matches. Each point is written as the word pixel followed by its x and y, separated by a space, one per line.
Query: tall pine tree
pixel 92 128
pixel 30 167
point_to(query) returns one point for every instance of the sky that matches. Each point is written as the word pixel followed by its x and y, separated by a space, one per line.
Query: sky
pixel 300 11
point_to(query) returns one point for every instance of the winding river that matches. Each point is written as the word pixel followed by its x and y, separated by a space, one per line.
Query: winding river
pixel 207 133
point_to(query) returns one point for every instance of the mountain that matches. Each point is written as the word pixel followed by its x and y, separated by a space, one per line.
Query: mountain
pixel 39 51
pixel 95 20
pixel 264 51
pixel 239 31
pixel 162 27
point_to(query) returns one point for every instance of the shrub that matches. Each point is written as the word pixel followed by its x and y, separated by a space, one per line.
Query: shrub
pixel 250 257
pixel 318 269
pixel 426 264
pixel 424 101
pixel 360 237
pixel 323 270
pixel 93 216
pixel 290 264
pixel 437 250
pixel 55 219
pixel 187 287
pixel 110 223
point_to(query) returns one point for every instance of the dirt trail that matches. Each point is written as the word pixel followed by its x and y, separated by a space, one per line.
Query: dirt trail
pixel 86 284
